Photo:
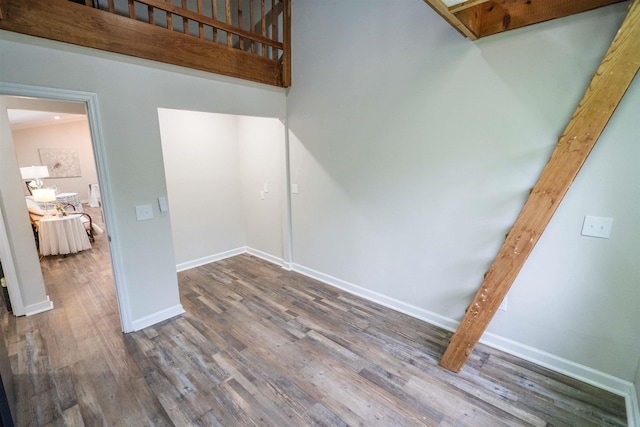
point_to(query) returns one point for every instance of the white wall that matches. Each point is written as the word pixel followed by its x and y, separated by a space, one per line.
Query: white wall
pixel 262 160
pixel 203 182
pixel 129 94
pixel 72 134
pixel 216 165
pixel 415 149
pixel 18 228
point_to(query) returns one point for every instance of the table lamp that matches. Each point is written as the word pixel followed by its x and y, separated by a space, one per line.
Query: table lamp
pixel 45 195
pixel 35 173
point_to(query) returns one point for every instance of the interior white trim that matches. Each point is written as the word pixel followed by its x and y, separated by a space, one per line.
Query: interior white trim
pixel 411 310
pixel 97 140
pixel 211 258
pixel 158 317
pixel 265 256
pixel 539 357
pixel 38 307
pixel 633 407
pixel 17 305
pixel 231 253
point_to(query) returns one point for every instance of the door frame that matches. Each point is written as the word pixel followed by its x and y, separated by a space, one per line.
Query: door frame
pixel 17 305
pixel 90 100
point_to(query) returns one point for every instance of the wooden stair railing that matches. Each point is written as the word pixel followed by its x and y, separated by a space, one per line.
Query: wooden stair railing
pixel 252 41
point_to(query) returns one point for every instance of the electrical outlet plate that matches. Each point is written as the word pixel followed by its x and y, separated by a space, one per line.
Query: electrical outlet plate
pixel 144 212
pixel 595 226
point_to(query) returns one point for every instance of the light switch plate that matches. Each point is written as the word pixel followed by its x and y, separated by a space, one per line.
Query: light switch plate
pixel 144 212
pixel 265 187
pixel 163 205
pixel 595 226
pixel 294 188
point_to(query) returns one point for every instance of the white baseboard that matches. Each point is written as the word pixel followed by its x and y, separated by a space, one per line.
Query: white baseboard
pixel 539 357
pixel 411 310
pixel 211 258
pixel 231 253
pixel 39 307
pixel 265 256
pixel 154 318
pixel 572 369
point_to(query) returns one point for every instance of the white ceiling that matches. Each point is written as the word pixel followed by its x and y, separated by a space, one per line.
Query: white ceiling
pixel 20 119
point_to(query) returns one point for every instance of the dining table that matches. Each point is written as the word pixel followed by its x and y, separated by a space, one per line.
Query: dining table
pixel 62 235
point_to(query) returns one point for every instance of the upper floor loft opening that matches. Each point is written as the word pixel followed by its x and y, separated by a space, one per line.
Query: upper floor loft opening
pixel 248 39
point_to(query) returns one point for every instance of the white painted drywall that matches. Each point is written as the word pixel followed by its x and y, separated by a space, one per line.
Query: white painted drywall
pixel 73 134
pixel 130 91
pixel 262 160
pixel 216 166
pixel 16 217
pixel 203 182
pixel 414 150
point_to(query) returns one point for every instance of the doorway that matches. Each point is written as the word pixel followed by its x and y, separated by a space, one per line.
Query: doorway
pixel 88 102
pixel 55 135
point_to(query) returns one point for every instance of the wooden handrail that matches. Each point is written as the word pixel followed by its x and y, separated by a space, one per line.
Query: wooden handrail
pixel 219 25
pixel 155 30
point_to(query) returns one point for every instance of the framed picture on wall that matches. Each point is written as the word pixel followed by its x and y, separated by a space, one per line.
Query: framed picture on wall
pixel 61 162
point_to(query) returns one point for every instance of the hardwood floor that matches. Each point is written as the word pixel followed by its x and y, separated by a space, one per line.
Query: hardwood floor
pixel 265 347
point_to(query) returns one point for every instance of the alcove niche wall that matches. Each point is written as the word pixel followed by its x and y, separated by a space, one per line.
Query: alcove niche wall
pixel 225 183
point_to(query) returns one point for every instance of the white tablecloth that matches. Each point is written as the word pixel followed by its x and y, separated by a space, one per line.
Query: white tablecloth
pixel 71 198
pixel 62 235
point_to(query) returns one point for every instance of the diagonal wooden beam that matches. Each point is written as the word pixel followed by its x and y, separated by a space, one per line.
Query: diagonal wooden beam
pixel 600 100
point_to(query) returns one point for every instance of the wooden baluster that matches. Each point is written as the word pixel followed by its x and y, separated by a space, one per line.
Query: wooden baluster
pixel 264 27
pixel 286 43
pixel 185 21
pixel 214 13
pixel 240 40
pixel 274 29
pixel 112 8
pixel 152 19
pixel 251 24
pixel 228 12
pixel 132 10
pixel 200 25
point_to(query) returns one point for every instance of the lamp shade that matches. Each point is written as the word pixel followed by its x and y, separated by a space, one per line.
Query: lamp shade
pixel 34 172
pixel 44 195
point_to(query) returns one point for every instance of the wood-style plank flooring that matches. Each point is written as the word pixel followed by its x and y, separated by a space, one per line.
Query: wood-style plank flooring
pixel 259 346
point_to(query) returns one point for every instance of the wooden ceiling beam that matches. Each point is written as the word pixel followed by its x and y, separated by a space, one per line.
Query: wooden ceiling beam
pixel 498 16
pixel 607 87
pixel 467 4
pixel 481 18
